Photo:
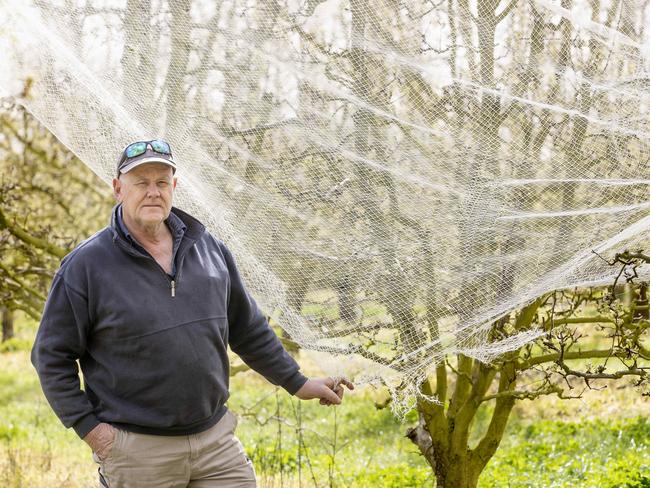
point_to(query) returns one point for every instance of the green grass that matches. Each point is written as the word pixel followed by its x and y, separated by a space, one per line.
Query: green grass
pixel 596 453
pixel 601 441
pixel 351 445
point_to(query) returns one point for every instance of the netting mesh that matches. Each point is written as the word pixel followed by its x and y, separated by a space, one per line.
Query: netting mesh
pixel 392 176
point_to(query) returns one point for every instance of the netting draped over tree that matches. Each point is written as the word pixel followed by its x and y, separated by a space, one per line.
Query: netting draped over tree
pixel 392 176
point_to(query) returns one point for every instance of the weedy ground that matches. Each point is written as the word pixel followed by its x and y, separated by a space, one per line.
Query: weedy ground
pixel 601 440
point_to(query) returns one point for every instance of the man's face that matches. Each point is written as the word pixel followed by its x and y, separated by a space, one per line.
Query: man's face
pixel 146 193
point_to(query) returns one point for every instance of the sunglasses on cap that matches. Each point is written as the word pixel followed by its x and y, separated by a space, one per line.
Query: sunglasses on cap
pixel 140 152
pixel 138 148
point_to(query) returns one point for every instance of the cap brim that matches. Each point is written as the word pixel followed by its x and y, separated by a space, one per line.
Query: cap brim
pixel 133 164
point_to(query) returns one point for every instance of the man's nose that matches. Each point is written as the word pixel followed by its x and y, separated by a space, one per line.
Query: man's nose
pixel 153 191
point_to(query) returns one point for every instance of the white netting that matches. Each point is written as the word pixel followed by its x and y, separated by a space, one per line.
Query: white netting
pixel 392 176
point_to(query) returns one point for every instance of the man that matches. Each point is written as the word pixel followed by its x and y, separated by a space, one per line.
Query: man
pixel 148 306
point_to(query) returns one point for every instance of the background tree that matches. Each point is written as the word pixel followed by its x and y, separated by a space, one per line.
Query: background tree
pixel 592 338
pixel 49 202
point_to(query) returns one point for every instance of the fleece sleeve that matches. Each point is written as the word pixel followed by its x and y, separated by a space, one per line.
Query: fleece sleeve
pixel 60 341
pixel 252 339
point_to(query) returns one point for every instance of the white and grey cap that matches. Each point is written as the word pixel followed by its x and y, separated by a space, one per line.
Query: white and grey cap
pixel 126 164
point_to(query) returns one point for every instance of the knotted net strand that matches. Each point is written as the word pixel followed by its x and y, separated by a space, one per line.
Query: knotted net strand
pixel 392 177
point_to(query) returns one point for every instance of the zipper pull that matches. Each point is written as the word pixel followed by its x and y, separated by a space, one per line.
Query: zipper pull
pixel 173 288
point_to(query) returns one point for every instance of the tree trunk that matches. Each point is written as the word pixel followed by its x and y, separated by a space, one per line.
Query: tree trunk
pixel 7 324
pixel 461 477
pixel 443 437
pixel 443 431
pixel 177 102
pixel 452 470
pixel 138 58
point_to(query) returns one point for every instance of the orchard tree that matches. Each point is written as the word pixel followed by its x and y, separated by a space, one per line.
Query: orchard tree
pixel 49 202
pixel 591 339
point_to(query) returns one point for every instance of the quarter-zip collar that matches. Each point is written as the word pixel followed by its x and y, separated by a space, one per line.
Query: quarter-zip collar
pixel 185 230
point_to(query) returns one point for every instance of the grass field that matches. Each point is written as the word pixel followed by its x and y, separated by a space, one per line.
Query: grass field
pixel 602 440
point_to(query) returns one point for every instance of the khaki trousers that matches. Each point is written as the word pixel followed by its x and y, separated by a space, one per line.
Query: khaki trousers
pixel 210 459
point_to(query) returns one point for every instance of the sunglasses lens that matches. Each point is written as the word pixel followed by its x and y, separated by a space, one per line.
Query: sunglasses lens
pixel 161 147
pixel 136 149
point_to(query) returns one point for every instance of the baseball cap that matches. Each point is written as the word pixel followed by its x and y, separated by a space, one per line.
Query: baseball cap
pixel 141 152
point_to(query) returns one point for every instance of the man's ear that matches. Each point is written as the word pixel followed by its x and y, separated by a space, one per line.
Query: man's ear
pixel 117 189
pixel 174 180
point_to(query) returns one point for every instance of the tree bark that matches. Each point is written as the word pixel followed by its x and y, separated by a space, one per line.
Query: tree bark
pixel 7 323
pixel 442 434
pixel 175 80
pixel 138 58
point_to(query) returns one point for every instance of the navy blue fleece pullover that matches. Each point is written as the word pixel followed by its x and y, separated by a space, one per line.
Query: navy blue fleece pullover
pixel 152 348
